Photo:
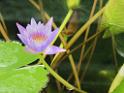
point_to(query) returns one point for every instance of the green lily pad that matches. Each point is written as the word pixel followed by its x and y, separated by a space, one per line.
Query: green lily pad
pixel 13 55
pixel 120 88
pixel 30 79
pixel 113 21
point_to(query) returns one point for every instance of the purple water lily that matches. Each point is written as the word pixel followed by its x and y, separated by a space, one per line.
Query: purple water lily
pixel 38 37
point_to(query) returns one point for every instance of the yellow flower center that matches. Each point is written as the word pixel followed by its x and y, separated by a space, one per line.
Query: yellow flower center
pixel 39 37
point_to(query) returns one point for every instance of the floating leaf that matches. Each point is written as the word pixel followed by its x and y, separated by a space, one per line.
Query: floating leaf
pixel 113 20
pixel 30 79
pixel 120 88
pixel 117 80
pixel 13 55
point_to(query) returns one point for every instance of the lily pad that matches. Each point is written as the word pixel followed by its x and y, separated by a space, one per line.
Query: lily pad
pixel 13 55
pixel 30 79
pixel 113 21
pixel 120 88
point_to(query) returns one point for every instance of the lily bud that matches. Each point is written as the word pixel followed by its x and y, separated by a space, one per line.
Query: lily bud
pixel 72 4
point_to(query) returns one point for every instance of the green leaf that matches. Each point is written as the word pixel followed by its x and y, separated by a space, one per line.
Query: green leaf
pixel 13 55
pixel 117 80
pixel 113 20
pixel 30 79
pixel 120 88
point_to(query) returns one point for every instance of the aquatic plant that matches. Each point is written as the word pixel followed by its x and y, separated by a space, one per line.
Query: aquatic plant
pixel 38 37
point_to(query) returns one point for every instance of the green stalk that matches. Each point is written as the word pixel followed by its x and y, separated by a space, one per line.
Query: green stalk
pixel 84 27
pixel 3 32
pixel 63 24
pixel 114 52
pixel 59 78
pixel 86 36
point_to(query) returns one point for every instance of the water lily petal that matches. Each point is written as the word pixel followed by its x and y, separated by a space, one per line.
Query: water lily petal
pixel 48 25
pixel 30 29
pixel 53 50
pixel 34 29
pixel 22 38
pixel 30 50
pixel 38 37
pixel 42 29
pixel 40 26
pixel 20 28
pixel 34 45
pixel 33 22
pixel 41 46
pixel 52 36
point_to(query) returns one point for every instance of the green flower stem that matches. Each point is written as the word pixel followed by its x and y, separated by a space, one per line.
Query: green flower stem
pixel 64 39
pixel 63 24
pixel 60 79
pixel 71 59
pixel 114 52
pixel 56 56
pixel 89 39
pixel 81 30
pixel 86 36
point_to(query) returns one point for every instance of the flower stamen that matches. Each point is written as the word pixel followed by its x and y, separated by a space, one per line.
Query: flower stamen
pixel 39 37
